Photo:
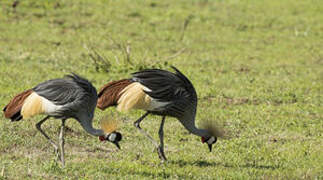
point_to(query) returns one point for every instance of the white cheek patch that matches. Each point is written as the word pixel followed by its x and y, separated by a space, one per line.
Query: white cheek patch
pixel 112 137
pixel 211 140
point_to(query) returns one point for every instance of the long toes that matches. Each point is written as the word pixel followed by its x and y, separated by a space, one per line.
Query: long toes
pixel 63 163
pixel 161 154
pixel 57 153
pixel 56 150
pixel 162 158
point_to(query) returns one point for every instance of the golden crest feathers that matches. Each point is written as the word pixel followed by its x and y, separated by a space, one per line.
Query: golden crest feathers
pixel 214 128
pixel 109 124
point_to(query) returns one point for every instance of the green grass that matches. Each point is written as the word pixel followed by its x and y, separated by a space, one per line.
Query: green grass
pixel 257 67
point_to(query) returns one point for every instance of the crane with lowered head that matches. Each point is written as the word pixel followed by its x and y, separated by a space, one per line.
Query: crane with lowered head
pixel 161 93
pixel 70 97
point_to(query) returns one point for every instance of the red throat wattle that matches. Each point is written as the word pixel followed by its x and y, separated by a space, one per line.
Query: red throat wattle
pixel 203 140
pixel 101 138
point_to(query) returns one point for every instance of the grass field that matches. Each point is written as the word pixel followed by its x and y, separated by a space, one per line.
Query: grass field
pixel 257 67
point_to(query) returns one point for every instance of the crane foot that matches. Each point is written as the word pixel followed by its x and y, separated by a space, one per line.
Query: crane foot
pixel 57 153
pixel 137 125
pixel 161 154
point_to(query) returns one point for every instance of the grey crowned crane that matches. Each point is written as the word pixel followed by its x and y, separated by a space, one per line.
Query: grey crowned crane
pixel 68 97
pixel 161 93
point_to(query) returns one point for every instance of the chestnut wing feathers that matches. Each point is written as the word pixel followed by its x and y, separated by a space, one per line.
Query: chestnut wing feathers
pixel 110 93
pixel 12 110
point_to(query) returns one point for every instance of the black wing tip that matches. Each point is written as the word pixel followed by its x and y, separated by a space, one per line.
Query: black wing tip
pixel 16 118
pixel 144 70
pixel 177 71
pixel 154 69
pixel 73 75
pixel 76 77
pixel 173 67
pixel 84 82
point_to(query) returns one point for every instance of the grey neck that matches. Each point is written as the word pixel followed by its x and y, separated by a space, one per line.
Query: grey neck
pixel 86 123
pixel 188 121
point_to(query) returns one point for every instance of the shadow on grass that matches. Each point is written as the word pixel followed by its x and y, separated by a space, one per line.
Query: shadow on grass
pixel 201 163
pixel 169 174
pixel 159 175
pixel 148 173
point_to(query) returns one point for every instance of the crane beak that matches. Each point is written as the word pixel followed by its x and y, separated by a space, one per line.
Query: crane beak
pixel 117 144
pixel 210 147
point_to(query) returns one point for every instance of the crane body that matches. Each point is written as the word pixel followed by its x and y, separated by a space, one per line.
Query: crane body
pixel 157 92
pixel 62 98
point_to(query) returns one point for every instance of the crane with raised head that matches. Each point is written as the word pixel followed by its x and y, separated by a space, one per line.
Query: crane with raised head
pixel 161 93
pixel 70 97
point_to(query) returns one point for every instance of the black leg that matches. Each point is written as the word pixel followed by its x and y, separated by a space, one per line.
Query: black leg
pixel 160 148
pixel 38 126
pixel 61 142
pixel 137 125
